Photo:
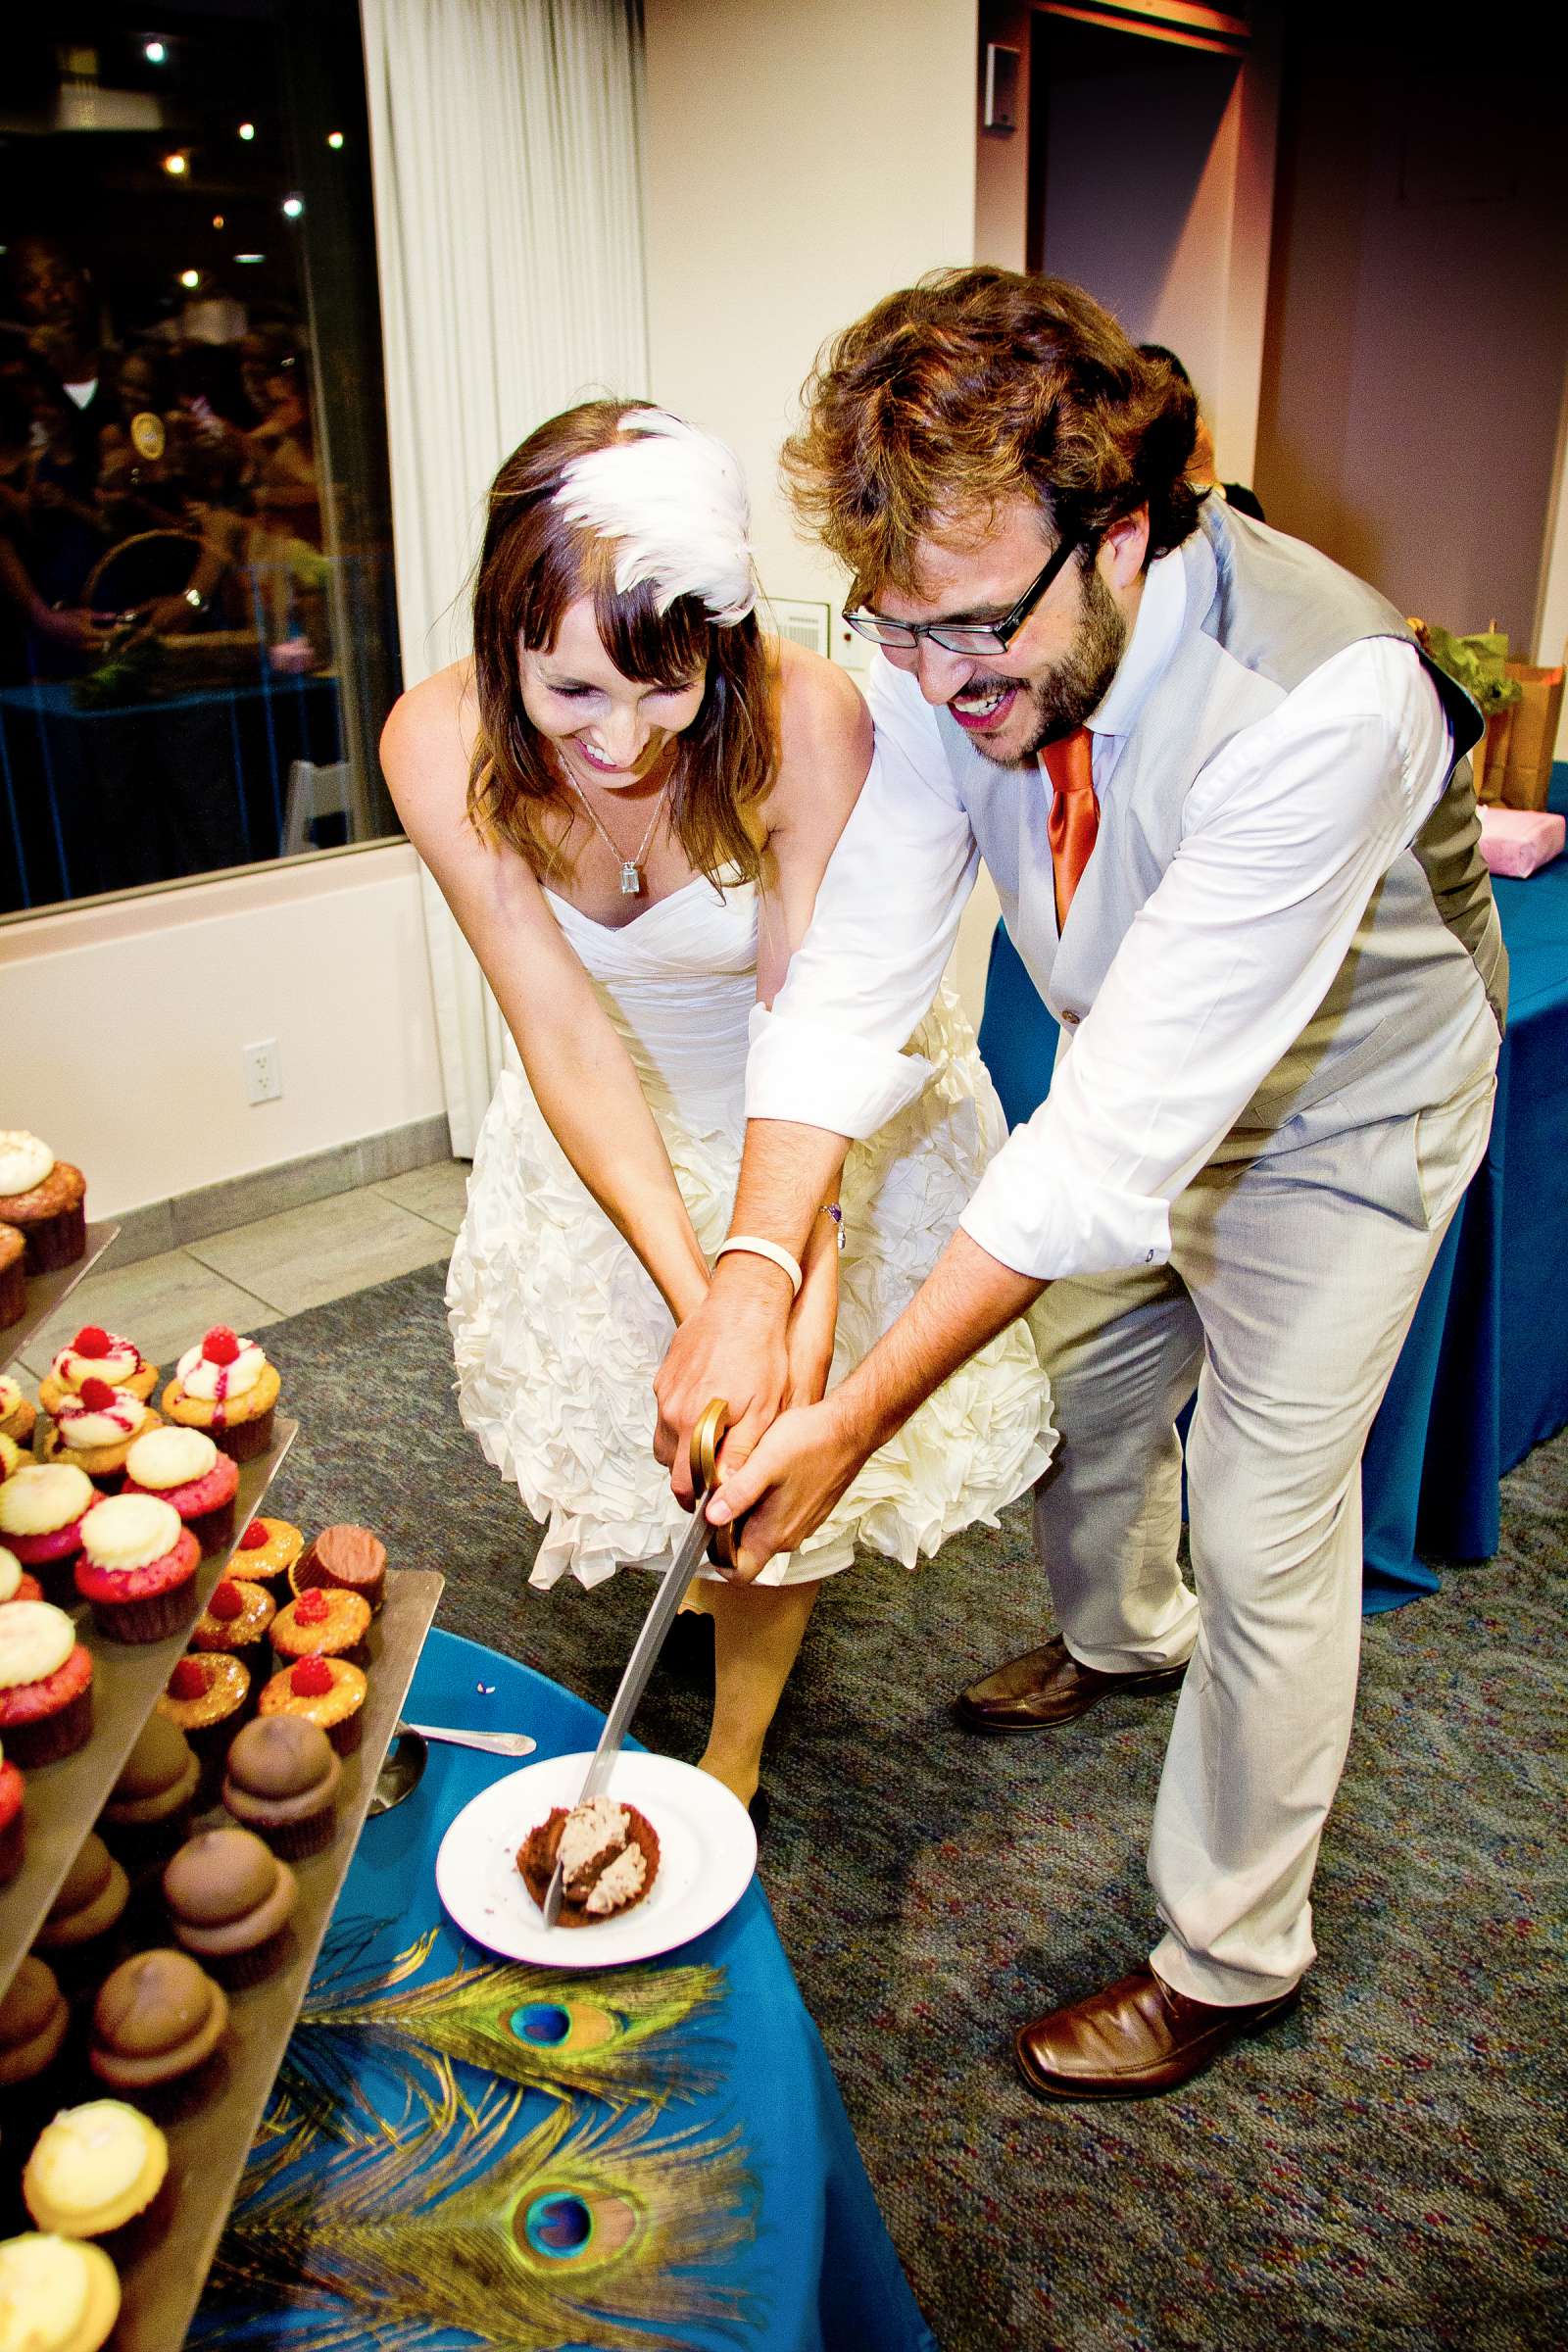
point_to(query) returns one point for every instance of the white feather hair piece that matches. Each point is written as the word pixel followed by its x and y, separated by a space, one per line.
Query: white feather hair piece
pixel 674 500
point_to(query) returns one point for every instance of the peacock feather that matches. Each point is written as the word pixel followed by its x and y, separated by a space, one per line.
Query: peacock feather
pixel 608 2035
pixel 589 2228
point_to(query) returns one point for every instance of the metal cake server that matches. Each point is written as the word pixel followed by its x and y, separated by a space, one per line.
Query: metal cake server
pixel 706 1437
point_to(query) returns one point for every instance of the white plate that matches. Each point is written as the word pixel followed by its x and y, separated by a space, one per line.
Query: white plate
pixel 707 1854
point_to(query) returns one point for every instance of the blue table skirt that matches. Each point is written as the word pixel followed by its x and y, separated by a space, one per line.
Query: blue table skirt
pixel 688 2100
pixel 1483 1373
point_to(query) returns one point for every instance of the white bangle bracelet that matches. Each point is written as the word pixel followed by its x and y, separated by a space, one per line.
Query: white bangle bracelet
pixel 772 1251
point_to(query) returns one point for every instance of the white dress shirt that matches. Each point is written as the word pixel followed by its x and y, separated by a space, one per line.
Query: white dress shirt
pixel 1285 837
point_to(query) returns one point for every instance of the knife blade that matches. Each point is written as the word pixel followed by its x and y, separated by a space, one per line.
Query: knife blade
pixel 706 1437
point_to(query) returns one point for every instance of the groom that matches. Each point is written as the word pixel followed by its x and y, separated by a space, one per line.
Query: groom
pixel 1225 805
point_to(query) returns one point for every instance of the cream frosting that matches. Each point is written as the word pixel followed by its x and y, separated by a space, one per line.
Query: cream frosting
pixel 586 1831
pixel 47 2290
pixel 211 1384
pixel 10 1396
pixel 84 1424
pixel 35 1641
pixel 9 1574
pixel 89 2156
pixel 130 1531
pixel 43 1498
pixel 24 1160
pixel 617 1883
pixel 12 1459
pixel 122 1359
pixel 170 1457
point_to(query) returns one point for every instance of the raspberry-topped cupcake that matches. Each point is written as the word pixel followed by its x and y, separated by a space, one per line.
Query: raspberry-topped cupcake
pixel 44 1197
pixel 322 1624
pixel 226 1387
pixel 97 1355
pixel 136 1568
pixel 96 1428
pixel 266 1553
pixel 17 1413
pixel 323 1690
pixel 184 1466
pixel 41 1511
pixel 235 1622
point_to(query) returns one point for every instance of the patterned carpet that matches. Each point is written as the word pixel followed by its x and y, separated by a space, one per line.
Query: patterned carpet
pixel 1389 2167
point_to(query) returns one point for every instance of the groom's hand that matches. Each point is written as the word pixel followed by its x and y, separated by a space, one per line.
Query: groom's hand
pixel 733 1346
pixel 798 1470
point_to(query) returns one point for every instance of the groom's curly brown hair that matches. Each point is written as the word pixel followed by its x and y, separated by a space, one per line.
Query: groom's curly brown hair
pixel 957 394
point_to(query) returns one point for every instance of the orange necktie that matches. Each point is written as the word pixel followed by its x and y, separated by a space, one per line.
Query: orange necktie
pixel 1074 820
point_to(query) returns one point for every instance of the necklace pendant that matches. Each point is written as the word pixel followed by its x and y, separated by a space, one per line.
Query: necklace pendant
pixel 632 879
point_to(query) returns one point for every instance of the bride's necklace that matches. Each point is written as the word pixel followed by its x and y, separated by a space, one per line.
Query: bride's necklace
pixel 631 869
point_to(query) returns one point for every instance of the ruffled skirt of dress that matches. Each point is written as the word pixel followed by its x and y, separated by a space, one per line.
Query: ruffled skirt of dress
pixel 558 1331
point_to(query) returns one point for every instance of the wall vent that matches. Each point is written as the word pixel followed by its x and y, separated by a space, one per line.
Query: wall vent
pixel 800 621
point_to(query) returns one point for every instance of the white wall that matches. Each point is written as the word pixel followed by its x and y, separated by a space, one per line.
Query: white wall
pixel 123 1022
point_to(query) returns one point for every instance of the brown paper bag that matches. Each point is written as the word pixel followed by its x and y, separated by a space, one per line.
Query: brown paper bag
pixel 1523 773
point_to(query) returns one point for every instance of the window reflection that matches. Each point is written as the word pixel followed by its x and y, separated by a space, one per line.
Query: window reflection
pixel 197 641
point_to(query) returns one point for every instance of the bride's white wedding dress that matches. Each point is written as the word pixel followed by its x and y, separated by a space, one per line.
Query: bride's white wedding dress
pixel 558 1331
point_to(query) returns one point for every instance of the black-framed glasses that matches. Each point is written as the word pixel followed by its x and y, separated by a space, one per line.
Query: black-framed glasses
pixel 967 636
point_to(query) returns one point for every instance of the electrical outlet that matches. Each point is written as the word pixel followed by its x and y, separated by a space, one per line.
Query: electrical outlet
pixel 264 1070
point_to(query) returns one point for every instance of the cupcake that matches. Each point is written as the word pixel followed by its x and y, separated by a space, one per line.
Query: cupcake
pixel 15 1582
pixel 323 1625
pixel 41 1510
pixel 12 1457
pixel 94 2168
pixel 95 1429
pixel 59 2294
pixel 17 1414
pixel 156 2019
pixel 13 1277
pixel 96 1355
pixel 44 1198
pixel 345 1559
pixel 323 1690
pixel 150 1805
pixel 92 1900
pixel 235 1622
pixel 137 1568
pixel 184 1466
pixel 33 2017
pixel 208 1698
pixel 230 1901
pixel 226 1387
pixel 12 1828
pixel 282 1782
pixel 266 1552
pixel 45 1684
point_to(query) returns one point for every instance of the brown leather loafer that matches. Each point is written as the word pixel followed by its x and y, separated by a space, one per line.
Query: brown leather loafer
pixel 1047 1685
pixel 1133 2040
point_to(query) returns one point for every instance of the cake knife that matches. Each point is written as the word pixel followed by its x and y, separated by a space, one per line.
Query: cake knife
pixel 706 1437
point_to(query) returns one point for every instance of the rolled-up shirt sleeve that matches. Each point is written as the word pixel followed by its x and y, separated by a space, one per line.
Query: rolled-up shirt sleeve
pixel 1286 836
pixel 830 1052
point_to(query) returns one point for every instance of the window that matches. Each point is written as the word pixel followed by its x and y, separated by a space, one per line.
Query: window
pixel 197 625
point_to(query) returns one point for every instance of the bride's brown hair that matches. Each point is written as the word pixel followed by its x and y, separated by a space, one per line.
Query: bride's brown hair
pixel 533 564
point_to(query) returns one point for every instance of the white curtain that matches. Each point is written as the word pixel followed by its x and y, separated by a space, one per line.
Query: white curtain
pixel 508 178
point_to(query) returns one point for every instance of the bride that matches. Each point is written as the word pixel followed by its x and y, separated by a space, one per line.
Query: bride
pixel 628 797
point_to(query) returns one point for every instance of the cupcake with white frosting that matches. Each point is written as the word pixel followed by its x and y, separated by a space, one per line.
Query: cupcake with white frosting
pixel 44 1198
pixel 96 1355
pixel 18 1412
pixel 42 1507
pixel 226 1387
pixel 184 1467
pixel 137 1568
pixel 96 1428
pixel 45 1684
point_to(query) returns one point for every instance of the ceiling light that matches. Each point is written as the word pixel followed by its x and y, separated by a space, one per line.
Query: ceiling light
pixel 247 131
pixel 293 206
pixel 217 219
pixel 155 53
pixel 334 138
pixel 176 166
pixel 190 277
pixel 250 257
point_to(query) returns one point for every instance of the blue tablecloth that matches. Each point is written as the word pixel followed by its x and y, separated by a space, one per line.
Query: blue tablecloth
pixel 1483 1373
pixel 657 2156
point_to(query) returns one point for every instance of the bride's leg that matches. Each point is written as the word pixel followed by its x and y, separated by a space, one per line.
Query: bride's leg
pixel 758 1631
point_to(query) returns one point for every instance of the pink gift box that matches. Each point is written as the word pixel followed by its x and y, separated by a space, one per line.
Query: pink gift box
pixel 1515 841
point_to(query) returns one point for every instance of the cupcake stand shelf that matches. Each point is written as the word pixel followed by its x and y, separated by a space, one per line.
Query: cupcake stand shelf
pixel 211 2137
pixel 48 1292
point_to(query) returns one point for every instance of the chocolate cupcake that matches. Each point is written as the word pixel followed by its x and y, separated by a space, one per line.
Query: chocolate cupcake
pixel 45 1198
pixel 610 1856
pixel 348 1558
pixel 230 1901
pixel 149 1810
pixel 88 1907
pixel 13 1277
pixel 33 2017
pixel 156 2019
pixel 282 1782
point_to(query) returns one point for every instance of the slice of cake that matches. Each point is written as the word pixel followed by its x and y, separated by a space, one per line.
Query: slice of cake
pixel 608 1853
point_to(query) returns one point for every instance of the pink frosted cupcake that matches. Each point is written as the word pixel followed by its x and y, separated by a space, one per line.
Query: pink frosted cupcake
pixel 14 1582
pixel 137 1568
pixel 13 1822
pixel 184 1466
pixel 97 1355
pixel 41 1511
pixel 226 1387
pixel 96 1428
pixel 45 1198
pixel 45 1684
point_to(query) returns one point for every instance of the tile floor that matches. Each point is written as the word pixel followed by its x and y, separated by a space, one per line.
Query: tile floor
pixel 256 1274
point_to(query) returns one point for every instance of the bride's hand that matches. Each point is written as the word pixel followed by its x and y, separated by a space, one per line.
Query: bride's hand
pixel 814 1320
pixel 733 1346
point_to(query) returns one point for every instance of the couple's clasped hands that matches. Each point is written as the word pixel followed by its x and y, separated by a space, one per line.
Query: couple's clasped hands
pixel 789 1454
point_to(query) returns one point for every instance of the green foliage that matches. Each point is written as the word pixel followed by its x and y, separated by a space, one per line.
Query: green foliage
pixel 1477 664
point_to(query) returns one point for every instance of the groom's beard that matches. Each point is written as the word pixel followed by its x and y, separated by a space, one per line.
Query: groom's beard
pixel 1052 706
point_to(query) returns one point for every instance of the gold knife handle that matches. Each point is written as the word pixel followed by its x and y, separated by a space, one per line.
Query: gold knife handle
pixel 706 1437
